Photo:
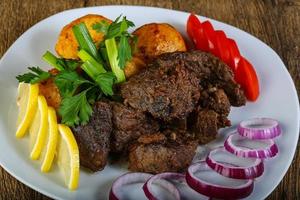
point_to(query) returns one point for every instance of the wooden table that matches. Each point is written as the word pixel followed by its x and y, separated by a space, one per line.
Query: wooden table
pixel 276 22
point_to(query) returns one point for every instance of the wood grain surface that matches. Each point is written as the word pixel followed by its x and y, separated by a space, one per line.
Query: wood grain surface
pixel 276 22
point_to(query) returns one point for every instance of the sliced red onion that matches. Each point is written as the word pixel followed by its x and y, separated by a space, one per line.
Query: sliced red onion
pixel 165 184
pixel 128 178
pixel 245 147
pixel 231 166
pixel 215 185
pixel 259 128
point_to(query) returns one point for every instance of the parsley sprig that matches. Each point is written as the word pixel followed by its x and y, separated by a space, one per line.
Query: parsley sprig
pixel 68 82
pixel 76 109
pixel 37 75
pixel 117 31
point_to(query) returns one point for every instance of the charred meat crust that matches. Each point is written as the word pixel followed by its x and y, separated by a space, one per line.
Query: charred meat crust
pixel 165 93
pixel 128 125
pixel 210 115
pixel 162 152
pixel 215 99
pixel 208 69
pixel 93 139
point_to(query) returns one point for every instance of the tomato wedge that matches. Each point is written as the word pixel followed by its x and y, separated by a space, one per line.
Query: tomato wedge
pixel 210 37
pixel 235 55
pixel 195 32
pixel 201 40
pixel 246 76
pixel 222 47
pixel 193 23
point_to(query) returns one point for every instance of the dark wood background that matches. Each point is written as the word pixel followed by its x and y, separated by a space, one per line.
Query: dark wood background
pixel 276 22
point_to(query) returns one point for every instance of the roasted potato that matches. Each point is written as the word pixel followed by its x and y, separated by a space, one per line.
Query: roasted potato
pixel 67 46
pixel 153 39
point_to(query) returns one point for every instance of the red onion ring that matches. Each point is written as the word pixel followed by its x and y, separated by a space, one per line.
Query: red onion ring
pixel 255 169
pixel 128 178
pixel 167 185
pixel 245 151
pixel 259 128
pixel 216 190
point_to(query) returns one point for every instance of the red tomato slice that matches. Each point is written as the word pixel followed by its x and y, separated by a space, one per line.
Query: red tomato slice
pixel 201 40
pixel 246 76
pixel 210 36
pixel 196 34
pixel 193 23
pixel 222 46
pixel 235 55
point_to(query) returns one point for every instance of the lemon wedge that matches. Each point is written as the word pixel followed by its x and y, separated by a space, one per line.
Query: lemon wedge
pixel 50 150
pixel 68 156
pixel 38 129
pixel 27 103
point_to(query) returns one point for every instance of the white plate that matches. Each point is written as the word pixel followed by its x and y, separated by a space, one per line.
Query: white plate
pixel 278 100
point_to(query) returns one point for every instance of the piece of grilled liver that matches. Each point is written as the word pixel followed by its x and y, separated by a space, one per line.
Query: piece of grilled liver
pixel 128 125
pixel 208 69
pixel 169 151
pixel 93 139
pixel 210 115
pixel 205 126
pixel 216 100
pixel 166 93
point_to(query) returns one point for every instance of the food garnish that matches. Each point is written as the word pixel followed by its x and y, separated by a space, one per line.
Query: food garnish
pixel 239 168
pixel 40 120
pixel 266 128
pixel 217 188
pixel 59 63
pixel 39 128
pixel 68 156
pixel 117 44
pixel 216 42
pixel 27 103
pixel 126 179
pixel 231 172
pixel 245 147
pixel 148 186
pixel 51 141
pixel 76 109
pixel 246 76
pixel 37 75
pixel 102 66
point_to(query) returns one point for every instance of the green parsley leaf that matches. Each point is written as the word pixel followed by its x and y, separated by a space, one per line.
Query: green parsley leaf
pixel 37 75
pixel 116 28
pixel 124 51
pixel 71 64
pixel 75 110
pixel 68 82
pixel 106 82
pixel 101 27
pixel 94 94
